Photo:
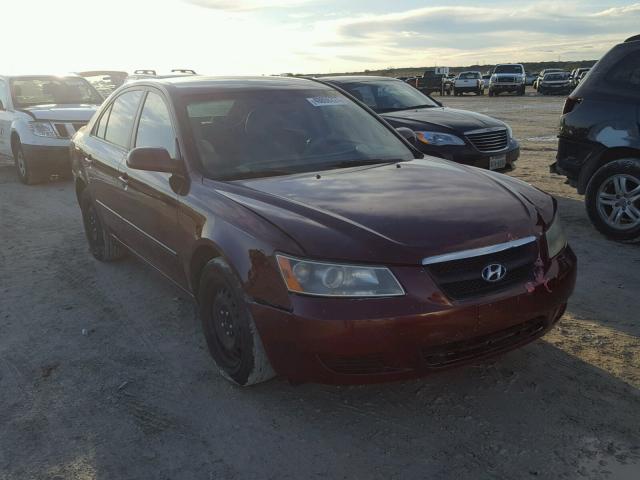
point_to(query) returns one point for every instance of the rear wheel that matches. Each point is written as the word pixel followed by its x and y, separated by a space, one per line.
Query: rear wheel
pixel 613 200
pixel 102 245
pixel 231 334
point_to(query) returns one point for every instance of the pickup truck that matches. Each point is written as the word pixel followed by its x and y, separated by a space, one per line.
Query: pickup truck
pixel 508 77
pixel 433 81
pixel 468 82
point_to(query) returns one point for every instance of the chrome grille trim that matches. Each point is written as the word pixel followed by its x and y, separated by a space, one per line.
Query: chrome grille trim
pixel 489 139
pixel 478 252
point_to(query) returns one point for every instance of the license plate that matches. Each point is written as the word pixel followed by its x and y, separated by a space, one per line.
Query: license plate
pixel 497 163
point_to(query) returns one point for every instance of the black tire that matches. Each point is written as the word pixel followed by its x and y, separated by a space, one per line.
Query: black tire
pixel 604 199
pixel 522 91
pixel 101 245
pixel 24 167
pixel 228 326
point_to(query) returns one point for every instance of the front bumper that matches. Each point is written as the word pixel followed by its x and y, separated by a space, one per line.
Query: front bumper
pixel 48 160
pixel 345 341
pixel 468 155
pixel 554 89
pixel 505 87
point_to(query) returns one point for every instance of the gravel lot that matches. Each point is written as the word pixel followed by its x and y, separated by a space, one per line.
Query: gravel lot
pixel 104 373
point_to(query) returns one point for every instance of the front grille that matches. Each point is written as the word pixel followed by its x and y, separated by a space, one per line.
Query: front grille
pixel 360 365
pixel 450 354
pixel 462 279
pixel 489 141
pixel 506 80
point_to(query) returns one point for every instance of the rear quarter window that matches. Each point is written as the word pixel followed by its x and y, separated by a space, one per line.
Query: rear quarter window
pixel 626 73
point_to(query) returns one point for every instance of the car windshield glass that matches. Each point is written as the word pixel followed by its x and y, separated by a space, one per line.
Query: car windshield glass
pixel 508 69
pixel 388 96
pixel 106 83
pixel 28 92
pixel 469 76
pixel 254 133
pixel 555 76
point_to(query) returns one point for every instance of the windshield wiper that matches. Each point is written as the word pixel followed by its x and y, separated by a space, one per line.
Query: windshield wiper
pixel 357 163
pixel 414 107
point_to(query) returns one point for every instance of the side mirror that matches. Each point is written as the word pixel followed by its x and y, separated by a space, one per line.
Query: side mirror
pixel 152 159
pixel 408 134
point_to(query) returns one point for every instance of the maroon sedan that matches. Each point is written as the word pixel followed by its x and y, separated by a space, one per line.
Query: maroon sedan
pixel 319 244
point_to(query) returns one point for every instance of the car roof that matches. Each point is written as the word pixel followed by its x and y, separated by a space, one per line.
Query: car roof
pixel 357 78
pixel 192 84
pixel 27 77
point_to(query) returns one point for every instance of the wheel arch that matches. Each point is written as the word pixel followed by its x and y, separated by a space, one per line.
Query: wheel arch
pixel 80 186
pixel 608 156
pixel 203 254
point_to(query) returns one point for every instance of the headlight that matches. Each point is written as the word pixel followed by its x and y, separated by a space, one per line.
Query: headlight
pixel 42 129
pixel 438 139
pixel 337 280
pixel 556 239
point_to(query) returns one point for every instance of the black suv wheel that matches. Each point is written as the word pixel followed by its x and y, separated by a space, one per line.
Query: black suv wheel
pixel 613 200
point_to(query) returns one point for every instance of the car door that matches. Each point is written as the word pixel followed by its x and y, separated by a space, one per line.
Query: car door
pixel 104 151
pixel 5 119
pixel 148 202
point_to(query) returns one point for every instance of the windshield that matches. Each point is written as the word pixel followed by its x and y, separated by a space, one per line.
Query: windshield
pixel 508 69
pixel 245 134
pixel 388 96
pixel 28 92
pixel 469 75
pixel 555 76
pixel 106 83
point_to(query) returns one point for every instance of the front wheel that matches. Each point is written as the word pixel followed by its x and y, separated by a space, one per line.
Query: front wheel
pixel 229 329
pixel 24 167
pixel 613 200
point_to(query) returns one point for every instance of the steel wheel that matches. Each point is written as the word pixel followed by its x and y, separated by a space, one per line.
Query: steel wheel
pixel 22 167
pixel 618 201
pixel 93 229
pixel 224 321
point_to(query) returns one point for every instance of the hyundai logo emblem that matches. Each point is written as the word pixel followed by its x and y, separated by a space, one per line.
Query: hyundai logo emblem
pixel 494 272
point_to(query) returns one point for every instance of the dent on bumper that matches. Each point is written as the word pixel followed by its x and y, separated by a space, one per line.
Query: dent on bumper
pixel 345 342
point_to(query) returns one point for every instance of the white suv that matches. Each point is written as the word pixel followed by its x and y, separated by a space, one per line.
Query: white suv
pixel 38 116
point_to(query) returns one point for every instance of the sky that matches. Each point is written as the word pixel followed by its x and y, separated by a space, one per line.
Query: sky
pixel 257 37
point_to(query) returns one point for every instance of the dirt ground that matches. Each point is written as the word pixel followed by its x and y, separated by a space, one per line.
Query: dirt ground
pixel 104 373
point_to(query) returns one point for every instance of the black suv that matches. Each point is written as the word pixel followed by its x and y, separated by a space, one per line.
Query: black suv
pixel 599 147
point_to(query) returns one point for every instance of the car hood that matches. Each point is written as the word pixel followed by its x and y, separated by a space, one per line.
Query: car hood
pixel 68 113
pixel 391 215
pixel 442 118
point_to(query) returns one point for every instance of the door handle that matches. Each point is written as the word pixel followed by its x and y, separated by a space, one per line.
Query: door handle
pixel 124 178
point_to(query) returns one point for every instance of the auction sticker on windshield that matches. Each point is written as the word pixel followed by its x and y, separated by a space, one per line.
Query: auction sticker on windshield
pixel 327 101
pixel 497 162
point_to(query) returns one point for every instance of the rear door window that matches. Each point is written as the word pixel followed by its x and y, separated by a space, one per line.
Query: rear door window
pixel 121 120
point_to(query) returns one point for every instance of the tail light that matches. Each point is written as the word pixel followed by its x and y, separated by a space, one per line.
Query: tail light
pixel 569 104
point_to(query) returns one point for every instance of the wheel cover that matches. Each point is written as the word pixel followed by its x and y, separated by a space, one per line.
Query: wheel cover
pixel 225 324
pixel 22 167
pixel 618 201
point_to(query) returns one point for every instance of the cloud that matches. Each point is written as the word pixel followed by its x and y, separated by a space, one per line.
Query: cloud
pixel 469 21
pixel 247 5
